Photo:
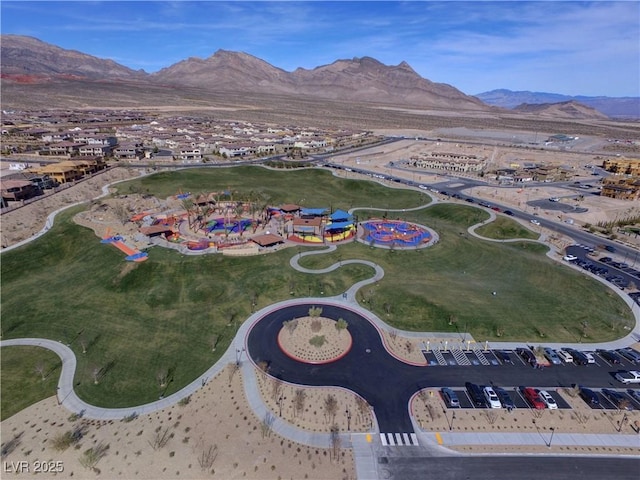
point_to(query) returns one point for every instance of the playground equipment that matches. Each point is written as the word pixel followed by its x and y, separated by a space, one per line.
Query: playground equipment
pixel 132 255
pixel 401 234
pixel 219 225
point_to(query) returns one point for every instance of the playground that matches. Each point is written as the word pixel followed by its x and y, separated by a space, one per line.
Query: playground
pixel 211 223
pixel 396 234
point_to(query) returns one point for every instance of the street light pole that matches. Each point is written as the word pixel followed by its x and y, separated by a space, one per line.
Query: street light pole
pixel 453 417
pixel 348 419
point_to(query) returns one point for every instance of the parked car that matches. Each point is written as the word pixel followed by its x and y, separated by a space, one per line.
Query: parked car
pixel 475 393
pixel 626 377
pixel 508 212
pixel 630 354
pixel 569 258
pixel 551 355
pixel 549 401
pixel 450 397
pixel 503 356
pixel 531 396
pixel 535 222
pixel 527 355
pixel 565 356
pixel 610 356
pixel 492 399
pixel 505 398
pixel 590 357
pixel 589 396
pixel 618 399
pixel 579 358
pixel 635 394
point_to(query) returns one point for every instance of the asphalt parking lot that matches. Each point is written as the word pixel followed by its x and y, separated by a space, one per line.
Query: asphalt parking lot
pixel 509 358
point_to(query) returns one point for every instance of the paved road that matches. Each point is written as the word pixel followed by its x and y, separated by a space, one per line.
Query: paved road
pixel 373 373
pixel 510 467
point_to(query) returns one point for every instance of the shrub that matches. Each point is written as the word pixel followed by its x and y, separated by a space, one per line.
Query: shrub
pixel 318 341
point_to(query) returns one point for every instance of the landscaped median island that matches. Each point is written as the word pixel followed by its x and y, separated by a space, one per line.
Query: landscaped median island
pixel 315 339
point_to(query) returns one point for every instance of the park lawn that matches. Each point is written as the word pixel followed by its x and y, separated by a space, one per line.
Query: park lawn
pixel 310 188
pixel 505 229
pixel 453 282
pixel 142 319
pixel 28 375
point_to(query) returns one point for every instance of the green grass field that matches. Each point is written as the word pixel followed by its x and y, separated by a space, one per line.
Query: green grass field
pixel 504 229
pixel 28 375
pixel 137 320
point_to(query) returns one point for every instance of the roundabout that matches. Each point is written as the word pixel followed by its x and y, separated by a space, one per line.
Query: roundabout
pixel 315 339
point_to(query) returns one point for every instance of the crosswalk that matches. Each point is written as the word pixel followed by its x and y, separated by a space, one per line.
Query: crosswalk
pixel 399 439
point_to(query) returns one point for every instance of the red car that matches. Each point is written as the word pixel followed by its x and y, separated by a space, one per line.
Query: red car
pixel 531 395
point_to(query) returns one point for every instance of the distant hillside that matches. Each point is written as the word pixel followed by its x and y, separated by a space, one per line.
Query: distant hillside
pixel 614 107
pixel 28 61
pixel 570 109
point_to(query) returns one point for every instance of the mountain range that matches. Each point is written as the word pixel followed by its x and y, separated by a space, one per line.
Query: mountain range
pixel 614 107
pixel 27 61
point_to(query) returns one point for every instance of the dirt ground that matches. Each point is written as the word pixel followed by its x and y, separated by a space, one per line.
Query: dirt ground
pixel 22 223
pixel 215 435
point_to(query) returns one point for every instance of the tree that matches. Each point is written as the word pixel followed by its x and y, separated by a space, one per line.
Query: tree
pixel 188 205
pixel 163 377
pixel 330 407
pixel 96 373
pixel 213 341
pixel 267 424
pixel 84 343
pixel 40 369
pixel 290 325
pixel 160 438
pixel 299 398
pixel 207 457
pixel 263 366
pixel 276 389
pixel 341 324
pixel 92 456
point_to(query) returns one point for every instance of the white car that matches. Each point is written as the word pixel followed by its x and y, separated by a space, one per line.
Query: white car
pixel 535 222
pixel 554 199
pixel 632 376
pixel 590 357
pixel 569 258
pixel 548 400
pixel 565 356
pixel 492 398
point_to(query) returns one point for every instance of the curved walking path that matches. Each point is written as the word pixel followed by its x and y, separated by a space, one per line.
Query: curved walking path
pixel 362 449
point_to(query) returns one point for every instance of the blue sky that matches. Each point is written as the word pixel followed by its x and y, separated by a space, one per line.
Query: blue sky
pixel 575 48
